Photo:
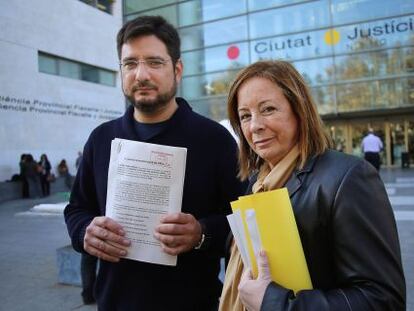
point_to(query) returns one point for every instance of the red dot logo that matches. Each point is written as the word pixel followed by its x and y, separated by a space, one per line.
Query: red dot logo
pixel 233 52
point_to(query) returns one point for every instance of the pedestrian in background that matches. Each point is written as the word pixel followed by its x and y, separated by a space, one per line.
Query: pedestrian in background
pixel 45 168
pixel 23 178
pixel 31 172
pixel 63 171
pixel 371 146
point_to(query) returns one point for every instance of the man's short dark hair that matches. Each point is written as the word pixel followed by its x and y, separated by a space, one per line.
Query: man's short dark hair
pixel 151 25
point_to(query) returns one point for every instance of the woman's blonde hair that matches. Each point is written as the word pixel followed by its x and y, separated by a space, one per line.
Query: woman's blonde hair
pixel 312 138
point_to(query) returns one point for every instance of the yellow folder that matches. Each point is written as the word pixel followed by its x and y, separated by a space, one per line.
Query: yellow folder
pixel 279 237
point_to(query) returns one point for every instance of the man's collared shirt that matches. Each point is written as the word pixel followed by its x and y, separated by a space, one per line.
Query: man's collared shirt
pixel 371 143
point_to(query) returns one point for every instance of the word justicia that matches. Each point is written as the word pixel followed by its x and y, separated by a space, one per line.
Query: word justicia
pixel 389 27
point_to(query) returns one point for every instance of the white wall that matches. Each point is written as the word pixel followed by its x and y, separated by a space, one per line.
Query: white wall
pixel 59 112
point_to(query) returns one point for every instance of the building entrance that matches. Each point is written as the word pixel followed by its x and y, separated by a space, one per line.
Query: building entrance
pixel 396 134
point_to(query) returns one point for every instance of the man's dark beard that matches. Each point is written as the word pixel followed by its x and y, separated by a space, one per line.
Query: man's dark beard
pixel 152 106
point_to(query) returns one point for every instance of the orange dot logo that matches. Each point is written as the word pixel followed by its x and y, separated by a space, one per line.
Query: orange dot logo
pixel 332 37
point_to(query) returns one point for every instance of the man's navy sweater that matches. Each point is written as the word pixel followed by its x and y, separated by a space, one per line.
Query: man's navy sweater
pixel 210 184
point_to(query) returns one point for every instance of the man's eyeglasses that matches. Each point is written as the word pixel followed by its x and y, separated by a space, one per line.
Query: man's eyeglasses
pixel 131 65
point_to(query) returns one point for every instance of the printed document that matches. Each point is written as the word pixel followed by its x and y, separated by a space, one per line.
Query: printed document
pixel 145 181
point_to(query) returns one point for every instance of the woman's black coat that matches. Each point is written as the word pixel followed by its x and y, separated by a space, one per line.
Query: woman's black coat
pixel 349 237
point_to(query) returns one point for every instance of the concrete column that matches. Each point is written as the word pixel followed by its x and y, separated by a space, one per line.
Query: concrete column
pixel 348 138
pixel 387 143
pixel 406 125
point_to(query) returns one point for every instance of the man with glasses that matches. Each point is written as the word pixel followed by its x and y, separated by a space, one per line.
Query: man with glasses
pixel 150 65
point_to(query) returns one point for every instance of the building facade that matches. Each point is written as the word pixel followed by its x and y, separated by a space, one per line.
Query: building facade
pixel 356 55
pixel 58 77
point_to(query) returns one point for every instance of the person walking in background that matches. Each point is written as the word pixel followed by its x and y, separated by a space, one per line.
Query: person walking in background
pixel 371 146
pixel 31 172
pixel 23 178
pixel 344 218
pixel 63 171
pixel 45 168
pixel 151 68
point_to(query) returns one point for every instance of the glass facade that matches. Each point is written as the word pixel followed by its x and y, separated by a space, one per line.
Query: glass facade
pixel 356 55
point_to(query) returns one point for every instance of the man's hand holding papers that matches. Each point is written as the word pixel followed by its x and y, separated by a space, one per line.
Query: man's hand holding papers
pixel 105 239
pixel 178 233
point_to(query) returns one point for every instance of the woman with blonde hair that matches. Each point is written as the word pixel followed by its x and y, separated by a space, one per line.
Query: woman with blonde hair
pixel 345 221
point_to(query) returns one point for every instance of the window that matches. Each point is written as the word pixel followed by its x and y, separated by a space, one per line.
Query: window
pixel 315 71
pixel 90 73
pixel 48 64
pixel 373 64
pixel 69 69
pixel 387 93
pixel 379 94
pixel 208 85
pixel 323 97
pixel 225 57
pixel 346 11
pixel 409 87
pixel 214 33
pixel 169 13
pixel 133 6
pixel 290 19
pixel 193 12
pixel 103 5
pixel 212 107
pixel 260 4
pixel 107 77
pixel 354 96
pixel 75 70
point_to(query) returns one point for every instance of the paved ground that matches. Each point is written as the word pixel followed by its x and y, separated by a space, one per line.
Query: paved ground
pixel 28 267
pixel 28 243
pixel 400 187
